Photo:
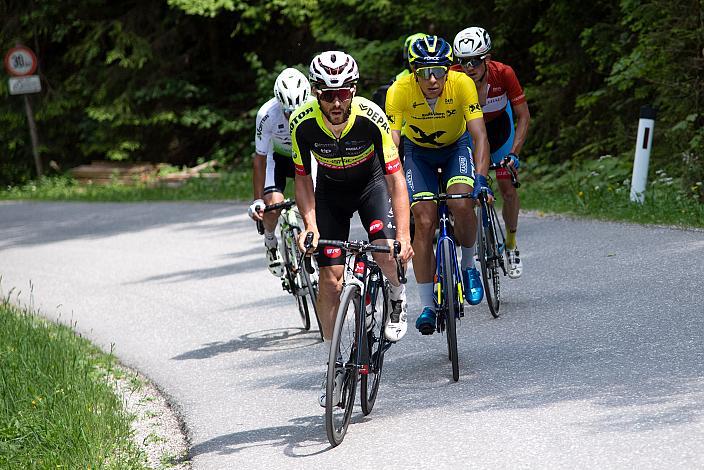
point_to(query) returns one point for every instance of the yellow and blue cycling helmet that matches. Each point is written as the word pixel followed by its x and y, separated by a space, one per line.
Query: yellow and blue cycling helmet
pixel 410 40
pixel 430 51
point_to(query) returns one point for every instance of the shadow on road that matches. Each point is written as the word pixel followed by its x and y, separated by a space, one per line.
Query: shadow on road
pixel 304 432
pixel 282 339
pixel 55 222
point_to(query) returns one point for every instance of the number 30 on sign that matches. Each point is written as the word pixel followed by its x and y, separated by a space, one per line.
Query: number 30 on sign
pixel 20 61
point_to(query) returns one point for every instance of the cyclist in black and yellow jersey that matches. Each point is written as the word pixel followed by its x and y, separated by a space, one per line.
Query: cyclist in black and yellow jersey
pixel 358 171
pixel 441 110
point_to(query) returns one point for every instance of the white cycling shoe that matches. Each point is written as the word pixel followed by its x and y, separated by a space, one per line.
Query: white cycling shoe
pixel 274 261
pixel 397 325
pixel 515 265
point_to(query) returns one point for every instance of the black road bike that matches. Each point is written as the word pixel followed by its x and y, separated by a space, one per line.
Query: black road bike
pixel 358 342
pixel 491 242
pixel 301 283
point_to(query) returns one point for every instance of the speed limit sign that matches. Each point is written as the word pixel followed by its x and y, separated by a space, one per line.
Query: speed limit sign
pixel 20 61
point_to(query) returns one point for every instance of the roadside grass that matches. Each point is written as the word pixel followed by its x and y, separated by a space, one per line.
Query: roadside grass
pixel 596 188
pixel 57 408
pixel 236 185
pixel 601 189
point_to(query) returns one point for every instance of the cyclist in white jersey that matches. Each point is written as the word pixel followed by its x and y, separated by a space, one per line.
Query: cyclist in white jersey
pixel 272 163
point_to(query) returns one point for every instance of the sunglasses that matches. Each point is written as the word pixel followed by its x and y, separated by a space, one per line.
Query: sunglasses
pixel 332 94
pixel 472 62
pixel 426 72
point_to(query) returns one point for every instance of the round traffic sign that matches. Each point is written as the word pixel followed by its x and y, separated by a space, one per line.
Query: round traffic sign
pixel 20 61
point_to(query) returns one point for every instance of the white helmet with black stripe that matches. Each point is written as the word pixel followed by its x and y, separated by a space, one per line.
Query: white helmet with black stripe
pixel 333 69
pixel 291 89
pixel 472 42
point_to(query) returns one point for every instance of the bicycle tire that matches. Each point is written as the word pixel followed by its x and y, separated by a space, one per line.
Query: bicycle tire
pixel 376 346
pixel 344 336
pixel 311 287
pixel 450 307
pixel 295 280
pixel 489 260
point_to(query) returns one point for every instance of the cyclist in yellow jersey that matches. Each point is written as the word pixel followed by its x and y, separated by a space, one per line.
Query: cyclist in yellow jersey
pixel 358 171
pixel 441 110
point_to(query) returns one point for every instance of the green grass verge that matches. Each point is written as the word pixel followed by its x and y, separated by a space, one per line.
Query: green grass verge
pixel 598 188
pixel 57 409
pixel 601 189
pixel 236 185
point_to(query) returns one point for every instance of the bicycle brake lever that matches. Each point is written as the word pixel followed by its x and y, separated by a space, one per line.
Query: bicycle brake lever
pixel 307 244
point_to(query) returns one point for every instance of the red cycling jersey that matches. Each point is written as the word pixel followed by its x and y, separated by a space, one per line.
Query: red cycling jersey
pixel 503 87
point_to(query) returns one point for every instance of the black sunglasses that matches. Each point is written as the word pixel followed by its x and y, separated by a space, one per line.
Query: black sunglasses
pixel 472 62
pixel 331 94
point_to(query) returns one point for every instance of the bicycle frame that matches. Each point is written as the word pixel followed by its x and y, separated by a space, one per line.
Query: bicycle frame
pixel 444 237
pixel 366 274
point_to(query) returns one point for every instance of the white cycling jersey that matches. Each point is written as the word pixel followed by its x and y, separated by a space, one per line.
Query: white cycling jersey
pixel 272 133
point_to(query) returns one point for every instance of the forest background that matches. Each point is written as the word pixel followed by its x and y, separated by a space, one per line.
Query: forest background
pixel 180 81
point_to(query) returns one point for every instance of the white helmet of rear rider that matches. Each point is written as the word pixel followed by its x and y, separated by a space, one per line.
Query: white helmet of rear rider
pixel 291 89
pixel 472 42
pixel 333 69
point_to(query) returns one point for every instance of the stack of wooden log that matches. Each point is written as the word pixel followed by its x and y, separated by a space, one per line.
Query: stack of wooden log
pixel 106 172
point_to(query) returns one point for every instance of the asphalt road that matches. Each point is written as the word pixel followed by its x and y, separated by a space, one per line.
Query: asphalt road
pixel 596 362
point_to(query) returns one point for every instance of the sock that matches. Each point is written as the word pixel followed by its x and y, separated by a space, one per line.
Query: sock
pixel 397 292
pixel 270 240
pixel 426 294
pixel 511 239
pixel 467 257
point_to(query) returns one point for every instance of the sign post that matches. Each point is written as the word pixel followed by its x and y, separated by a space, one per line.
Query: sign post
pixel 644 144
pixel 21 63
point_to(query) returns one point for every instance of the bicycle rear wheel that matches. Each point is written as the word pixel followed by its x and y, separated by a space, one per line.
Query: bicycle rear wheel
pixel 342 360
pixel 490 259
pixel 449 283
pixel 296 281
pixel 376 343
pixel 309 284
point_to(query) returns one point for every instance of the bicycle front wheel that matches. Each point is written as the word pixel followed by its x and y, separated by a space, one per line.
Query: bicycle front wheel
pixel 490 259
pixel 342 365
pixel 451 307
pixel 296 281
pixel 376 342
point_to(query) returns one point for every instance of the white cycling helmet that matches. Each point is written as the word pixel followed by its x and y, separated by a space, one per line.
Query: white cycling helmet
pixel 333 69
pixel 472 42
pixel 291 89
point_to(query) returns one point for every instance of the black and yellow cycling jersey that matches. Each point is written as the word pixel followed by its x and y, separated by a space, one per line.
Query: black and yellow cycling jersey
pixel 441 125
pixel 364 152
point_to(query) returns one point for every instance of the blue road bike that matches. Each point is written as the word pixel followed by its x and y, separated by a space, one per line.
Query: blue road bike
pixel 449 291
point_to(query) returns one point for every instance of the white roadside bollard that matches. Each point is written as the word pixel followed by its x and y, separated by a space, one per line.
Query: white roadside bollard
pixel 644 144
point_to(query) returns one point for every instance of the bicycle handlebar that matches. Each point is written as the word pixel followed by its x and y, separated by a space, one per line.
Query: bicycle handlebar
pixel 359 246
pixel 285 204
pixel 511 170
pixel 442 197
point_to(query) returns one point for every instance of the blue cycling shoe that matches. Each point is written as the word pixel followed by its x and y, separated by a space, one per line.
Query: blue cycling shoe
pixel 473 290
pixel 426 321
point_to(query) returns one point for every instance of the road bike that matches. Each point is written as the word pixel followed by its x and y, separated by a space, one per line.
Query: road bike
pixel 449 296
pixel 358 343
pixel 301 283
pixel 491 242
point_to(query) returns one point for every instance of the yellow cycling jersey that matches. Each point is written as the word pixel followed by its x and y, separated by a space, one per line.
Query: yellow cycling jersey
pixel 457 105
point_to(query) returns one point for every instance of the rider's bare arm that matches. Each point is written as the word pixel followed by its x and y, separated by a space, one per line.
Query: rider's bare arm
pixel 258 175
pixel 522 121
pixel 481 145
pixel 399 202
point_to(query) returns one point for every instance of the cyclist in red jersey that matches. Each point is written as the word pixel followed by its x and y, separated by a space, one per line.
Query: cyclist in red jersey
pixel 502 98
